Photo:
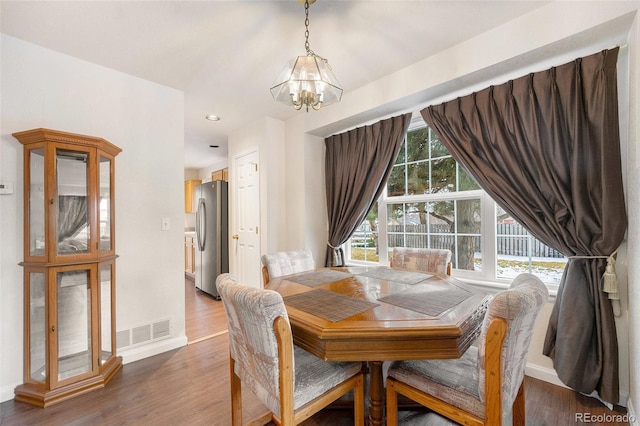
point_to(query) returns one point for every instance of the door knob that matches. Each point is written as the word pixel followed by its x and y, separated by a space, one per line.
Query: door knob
pixel 235 236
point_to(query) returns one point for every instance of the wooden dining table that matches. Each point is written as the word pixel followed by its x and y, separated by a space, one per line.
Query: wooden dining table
pixel 377 314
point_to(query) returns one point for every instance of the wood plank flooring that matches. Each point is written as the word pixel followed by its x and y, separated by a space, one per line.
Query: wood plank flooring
pixel 190 386
pixel 204 315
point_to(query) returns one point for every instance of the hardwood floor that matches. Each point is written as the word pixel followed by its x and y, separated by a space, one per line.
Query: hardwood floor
pixel 190 386
pixel 204 316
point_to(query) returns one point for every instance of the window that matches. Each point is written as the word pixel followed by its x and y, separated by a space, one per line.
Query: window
pixel 431 201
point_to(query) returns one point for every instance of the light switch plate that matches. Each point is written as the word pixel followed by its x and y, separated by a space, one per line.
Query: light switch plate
pixel 166 223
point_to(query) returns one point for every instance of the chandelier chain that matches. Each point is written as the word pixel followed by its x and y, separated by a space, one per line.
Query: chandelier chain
pixel 306 36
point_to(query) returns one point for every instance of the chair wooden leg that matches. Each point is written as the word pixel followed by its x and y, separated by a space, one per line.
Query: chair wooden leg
pixel 392 404
pixel 518 410
pixel 358 401
pixel 236 396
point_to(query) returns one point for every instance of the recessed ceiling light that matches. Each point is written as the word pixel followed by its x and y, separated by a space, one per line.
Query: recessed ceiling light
pixel 212 117
pixel 214 146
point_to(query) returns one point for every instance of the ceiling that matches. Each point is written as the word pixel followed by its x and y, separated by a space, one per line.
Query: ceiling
pixel 225 55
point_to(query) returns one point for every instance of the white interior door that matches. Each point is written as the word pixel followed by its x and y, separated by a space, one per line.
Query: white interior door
pixel 246 211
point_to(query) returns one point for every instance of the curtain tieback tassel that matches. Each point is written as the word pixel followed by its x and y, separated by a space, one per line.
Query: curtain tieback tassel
pixel 610 279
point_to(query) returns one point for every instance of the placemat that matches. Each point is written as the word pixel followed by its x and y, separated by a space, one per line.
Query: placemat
pixel 328 305
pixel 428 300
pixel 397 275
pixel 316 278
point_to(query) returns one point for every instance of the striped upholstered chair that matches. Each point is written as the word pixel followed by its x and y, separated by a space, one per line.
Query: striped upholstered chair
pixel 285 263
pixel 289 381
pixel 484 386
pixel 436 261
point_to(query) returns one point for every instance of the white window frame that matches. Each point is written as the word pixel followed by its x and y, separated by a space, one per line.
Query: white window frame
pixel 487 277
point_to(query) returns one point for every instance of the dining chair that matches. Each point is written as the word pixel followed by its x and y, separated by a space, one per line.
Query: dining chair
pixel 422 259
pixel 292 383
pixel 484 386
pixel 285 263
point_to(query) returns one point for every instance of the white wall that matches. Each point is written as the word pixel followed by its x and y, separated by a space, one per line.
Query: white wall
pixel 551 35
pixel 42 88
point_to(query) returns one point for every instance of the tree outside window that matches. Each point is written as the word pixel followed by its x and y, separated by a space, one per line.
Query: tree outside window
pixel 432 202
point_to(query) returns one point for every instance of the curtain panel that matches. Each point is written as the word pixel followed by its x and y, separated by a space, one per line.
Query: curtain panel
pixel 357 166
pixel 546 148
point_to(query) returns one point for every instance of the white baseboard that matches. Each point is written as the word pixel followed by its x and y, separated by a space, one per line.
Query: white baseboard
pixel 6 393
pixel 545 374
pixel 139 352
pixel 549 375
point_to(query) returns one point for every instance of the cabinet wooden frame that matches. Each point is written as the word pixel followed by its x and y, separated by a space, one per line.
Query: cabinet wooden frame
pixel 89 258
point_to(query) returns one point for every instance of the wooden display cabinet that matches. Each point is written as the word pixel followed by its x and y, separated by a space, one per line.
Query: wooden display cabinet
pixel 69 265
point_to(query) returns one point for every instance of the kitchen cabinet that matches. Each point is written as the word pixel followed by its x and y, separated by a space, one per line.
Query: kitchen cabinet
pixel 189 254
pixel 69 265
pixel 222 174
pixel 189 191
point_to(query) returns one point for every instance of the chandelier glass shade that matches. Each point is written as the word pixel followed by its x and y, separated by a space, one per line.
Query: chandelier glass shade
pixel 307 81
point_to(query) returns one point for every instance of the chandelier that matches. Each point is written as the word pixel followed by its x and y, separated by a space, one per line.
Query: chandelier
pixel 307 81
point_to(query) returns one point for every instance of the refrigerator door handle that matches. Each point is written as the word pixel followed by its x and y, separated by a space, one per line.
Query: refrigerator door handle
pixel 201 221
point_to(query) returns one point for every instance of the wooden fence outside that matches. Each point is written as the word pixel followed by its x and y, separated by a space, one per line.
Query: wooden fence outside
pixel 512 239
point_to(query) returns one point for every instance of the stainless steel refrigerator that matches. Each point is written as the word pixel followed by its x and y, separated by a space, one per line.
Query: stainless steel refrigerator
pixel 212 242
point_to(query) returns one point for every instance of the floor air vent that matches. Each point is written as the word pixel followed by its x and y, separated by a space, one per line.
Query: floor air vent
pixel 122 339
pixel 161 329
pixel 143 333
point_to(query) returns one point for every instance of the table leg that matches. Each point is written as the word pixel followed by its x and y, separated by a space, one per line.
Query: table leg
pixel 376 394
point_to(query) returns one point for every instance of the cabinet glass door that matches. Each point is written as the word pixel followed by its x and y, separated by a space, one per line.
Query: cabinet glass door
pixel 74 322
pixel 104 209
pixel 36 202
pixel 37 326
pixel 72 218
pixel 106 298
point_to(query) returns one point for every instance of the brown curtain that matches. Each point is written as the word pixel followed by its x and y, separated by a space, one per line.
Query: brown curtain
pixel 546 148
pixel 357 166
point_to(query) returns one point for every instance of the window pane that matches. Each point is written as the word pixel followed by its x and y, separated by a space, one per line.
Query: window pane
pixel 466 181
pixel 396 184
pixel 417 144
pixel 443 175
pixel 437 149
pixel 518 251
pixel 395 225
pixel 447 224
pixel 364 241
pixel 467 251
pixel 417 178
pixel 401 155
pixel 424 166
